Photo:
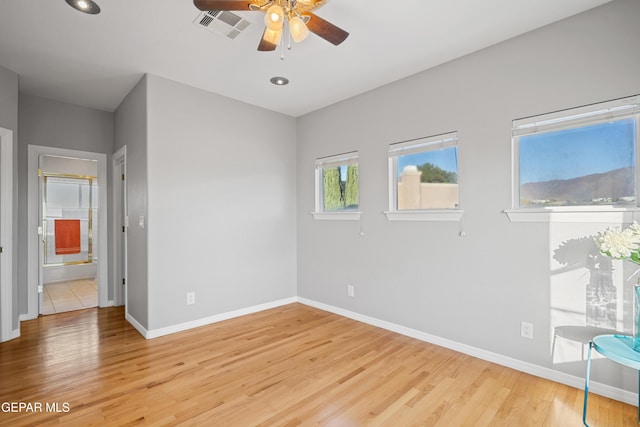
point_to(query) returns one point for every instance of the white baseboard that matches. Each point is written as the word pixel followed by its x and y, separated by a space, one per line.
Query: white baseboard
pixel 529 368
pixel 15 333
pixel 137 326
pixel 155 333
pixel 11 335
pixel 108 304
pixel 26 316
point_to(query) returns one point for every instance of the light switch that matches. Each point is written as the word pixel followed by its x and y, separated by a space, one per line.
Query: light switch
pixel 141 221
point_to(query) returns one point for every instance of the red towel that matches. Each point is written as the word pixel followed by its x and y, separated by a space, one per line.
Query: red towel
pixel 67 236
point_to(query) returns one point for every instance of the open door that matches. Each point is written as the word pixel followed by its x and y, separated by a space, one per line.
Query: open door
pixel 120 227
pixel 41 235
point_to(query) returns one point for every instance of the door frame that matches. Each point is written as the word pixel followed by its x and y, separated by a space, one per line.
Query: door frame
pixel 34 246
pixel 119 250
pixel 8 305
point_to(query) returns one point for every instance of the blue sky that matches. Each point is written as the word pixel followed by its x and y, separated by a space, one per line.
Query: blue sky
pixel 577 152
pixel 343 172
pixel 446 158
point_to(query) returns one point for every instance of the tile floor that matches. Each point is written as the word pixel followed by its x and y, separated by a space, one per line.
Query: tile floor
pixel 68 296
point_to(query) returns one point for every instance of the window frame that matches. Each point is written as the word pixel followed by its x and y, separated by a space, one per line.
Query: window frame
pixel 322 163
pixel 578 117
pixel 414 146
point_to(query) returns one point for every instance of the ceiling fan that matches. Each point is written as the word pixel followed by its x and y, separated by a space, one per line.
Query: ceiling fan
pixel 297 13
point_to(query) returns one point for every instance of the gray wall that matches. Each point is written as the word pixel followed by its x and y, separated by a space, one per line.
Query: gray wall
pixel 9 100
pixel 9 120
pixel 221 204
pixel 476 289
pixel 131 131
pixel 57 124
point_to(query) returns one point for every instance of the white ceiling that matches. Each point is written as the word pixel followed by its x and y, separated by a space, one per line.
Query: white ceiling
pixel 94 60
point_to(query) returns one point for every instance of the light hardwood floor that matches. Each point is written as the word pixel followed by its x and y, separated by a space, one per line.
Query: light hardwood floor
pixel 289 366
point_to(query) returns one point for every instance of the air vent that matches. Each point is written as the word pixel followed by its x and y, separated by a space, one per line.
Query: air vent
pixel 224 23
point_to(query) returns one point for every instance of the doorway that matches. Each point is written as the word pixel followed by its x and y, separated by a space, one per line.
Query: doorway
pixel 68 205
pixel 79 179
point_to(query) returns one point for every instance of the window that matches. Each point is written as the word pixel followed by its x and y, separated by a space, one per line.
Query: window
pixel 423 178
pixel 337 187
pixel 582 159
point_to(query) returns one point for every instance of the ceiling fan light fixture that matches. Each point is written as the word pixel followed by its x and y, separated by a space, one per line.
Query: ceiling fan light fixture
pixel 273 36
pixel 274 17
pixel 298 29
pixel 84 6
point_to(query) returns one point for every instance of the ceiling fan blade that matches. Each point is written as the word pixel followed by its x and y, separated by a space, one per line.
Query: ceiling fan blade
pixel 326 29
pixel 306 6
pixel 222 4
pixel 265 45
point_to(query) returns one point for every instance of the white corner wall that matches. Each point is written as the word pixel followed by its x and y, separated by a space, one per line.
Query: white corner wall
pixel 221 217
pixel 473 290
pixel 130 130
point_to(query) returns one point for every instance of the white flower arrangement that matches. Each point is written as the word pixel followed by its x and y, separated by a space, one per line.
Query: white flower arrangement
pixel 621 243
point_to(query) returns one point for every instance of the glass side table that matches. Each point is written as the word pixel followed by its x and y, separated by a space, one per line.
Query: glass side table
pixel 618 348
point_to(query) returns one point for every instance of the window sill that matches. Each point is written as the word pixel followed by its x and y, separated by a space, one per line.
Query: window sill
pixel 605 214
pixel 337 216
pixel 426 215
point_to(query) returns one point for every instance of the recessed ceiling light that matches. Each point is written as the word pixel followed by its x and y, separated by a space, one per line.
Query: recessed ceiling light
pixel 85 6
pixel 279 81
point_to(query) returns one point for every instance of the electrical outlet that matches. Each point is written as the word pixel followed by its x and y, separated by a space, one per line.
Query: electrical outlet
pixel 191 298
pixel 526 330
pixel 351 291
